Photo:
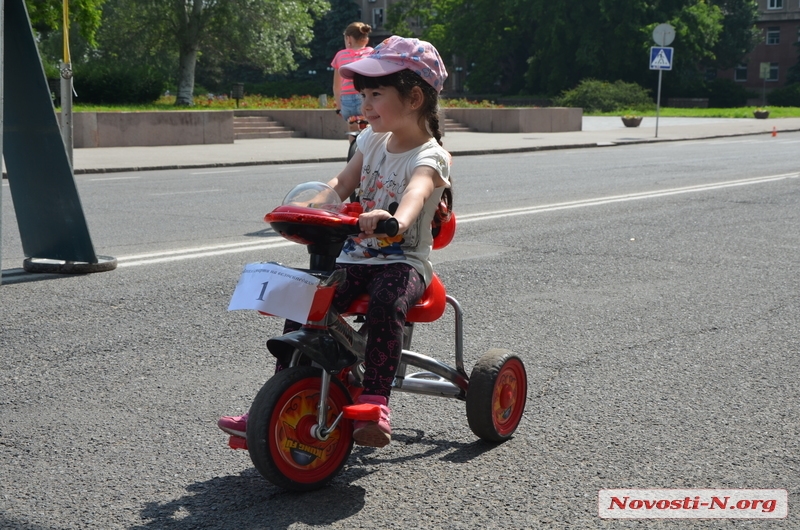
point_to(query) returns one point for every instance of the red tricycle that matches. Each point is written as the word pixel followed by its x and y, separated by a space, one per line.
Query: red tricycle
pixel 300 425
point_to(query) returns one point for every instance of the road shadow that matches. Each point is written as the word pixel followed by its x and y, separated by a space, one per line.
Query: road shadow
pixel 247 502
pixel 266 232
pixel 449 451
pixel 12 276
pixel 9 522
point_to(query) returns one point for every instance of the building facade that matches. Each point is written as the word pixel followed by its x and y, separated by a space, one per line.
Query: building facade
pixel 765 68
pixel 374 13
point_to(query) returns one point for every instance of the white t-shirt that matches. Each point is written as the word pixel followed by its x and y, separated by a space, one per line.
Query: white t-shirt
pixel 384 177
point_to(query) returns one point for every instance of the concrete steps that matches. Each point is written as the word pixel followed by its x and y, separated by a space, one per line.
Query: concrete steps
pixel 251 127
pixel 451 125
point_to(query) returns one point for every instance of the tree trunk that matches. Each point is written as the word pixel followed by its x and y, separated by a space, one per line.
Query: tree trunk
pixel 188 59
pixel 189 17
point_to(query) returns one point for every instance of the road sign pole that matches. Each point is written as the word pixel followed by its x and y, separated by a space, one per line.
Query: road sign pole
pixel 663 35
pixel 658 101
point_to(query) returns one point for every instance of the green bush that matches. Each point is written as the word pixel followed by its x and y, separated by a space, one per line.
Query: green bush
pixel 601 96
pixel 727 94
pixel 788 96
pixel 101 83
pixel 286 88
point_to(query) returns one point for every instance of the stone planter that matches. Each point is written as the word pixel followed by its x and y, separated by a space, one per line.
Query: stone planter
pixel 761 114
pixel 634 121
pixel 146 128
pixel 519 119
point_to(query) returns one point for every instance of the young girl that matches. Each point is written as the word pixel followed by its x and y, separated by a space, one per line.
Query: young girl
pixel 348 100
pixel 401 171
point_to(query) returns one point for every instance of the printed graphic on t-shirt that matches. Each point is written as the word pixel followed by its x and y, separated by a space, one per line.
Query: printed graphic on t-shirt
pixel 383 193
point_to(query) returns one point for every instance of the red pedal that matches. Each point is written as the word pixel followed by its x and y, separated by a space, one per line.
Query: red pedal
pixel 237 442
pixel 362 412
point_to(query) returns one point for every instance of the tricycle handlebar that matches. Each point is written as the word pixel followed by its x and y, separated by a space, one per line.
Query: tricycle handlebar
pixel 388 226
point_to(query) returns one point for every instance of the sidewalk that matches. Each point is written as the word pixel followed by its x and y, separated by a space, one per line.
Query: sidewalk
pixel 597 132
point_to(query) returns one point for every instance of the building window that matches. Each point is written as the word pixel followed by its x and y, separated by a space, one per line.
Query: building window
pixel 377 17
pixel 774 4
pixel 740 73
pixel 773 72
pixel 711 74
pixel 773 36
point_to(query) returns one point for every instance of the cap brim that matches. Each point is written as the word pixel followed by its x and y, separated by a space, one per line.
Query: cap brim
pixel 369 67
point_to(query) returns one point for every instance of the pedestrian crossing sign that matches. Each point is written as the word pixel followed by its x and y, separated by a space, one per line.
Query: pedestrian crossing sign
pixel 660 58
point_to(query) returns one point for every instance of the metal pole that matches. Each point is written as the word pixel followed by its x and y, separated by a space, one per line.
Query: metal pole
pixel 66 109
pixel 2 39
pixel 658 101
pixel 66 88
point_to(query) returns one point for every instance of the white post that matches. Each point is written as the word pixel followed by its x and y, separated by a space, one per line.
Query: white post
pixel 66 109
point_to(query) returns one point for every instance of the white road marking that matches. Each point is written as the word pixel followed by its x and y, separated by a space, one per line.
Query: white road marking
pixel 199 252
pixel 468 218
pixel 247 246
pixel 217 172
pixel 184 192
pixel 113 178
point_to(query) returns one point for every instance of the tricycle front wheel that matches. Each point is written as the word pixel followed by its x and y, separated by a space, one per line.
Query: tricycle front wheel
pixel 279 430
pixel 498 388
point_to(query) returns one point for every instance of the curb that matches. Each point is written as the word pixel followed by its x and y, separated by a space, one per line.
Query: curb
pixel 462 152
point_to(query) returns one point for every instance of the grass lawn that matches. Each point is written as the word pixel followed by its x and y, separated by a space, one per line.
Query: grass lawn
pixel 166 103
pixel 739 112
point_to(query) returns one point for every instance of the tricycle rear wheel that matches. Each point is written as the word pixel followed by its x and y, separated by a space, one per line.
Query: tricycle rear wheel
pixel 498 389
pixel 279 437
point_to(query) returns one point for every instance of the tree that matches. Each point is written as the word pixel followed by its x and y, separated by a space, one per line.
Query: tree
pixel 47 15
pixel 605 40
pixel 793 74
pixel 609 40
pixel 328 32
pixel 739 34
pixel 494 38
pixel 263 33
pixel 490 39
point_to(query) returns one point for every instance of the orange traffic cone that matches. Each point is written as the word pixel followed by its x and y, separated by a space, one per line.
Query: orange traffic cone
pixel 774 131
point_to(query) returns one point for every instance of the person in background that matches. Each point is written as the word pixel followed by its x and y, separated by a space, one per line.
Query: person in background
pixel 348 100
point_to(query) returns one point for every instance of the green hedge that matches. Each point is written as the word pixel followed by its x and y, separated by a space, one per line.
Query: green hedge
pixel 113 84
pixel 788 96
pixel 601 96
pixel 286 88
pixel 727 94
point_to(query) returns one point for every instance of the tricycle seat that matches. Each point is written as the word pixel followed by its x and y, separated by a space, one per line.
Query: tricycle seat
pixel 427 309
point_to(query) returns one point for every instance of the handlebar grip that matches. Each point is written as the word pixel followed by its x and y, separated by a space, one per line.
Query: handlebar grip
pixel 388 227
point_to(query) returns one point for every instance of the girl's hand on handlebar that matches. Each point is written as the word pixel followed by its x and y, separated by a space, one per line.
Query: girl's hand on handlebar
pixel 368 222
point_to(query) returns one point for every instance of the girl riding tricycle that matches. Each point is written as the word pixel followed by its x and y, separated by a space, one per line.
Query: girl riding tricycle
pixel 370 258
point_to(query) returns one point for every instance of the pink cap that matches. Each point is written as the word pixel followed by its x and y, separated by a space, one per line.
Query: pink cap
pixel 400 53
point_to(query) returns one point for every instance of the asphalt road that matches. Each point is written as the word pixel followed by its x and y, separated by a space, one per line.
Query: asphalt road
pixel 652 291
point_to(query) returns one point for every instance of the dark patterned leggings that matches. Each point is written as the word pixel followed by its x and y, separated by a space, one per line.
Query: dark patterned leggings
pixel 392 289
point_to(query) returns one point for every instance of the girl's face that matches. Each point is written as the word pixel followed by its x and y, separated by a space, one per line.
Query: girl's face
pixel 385 110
